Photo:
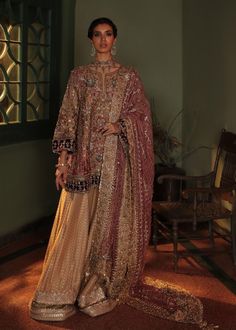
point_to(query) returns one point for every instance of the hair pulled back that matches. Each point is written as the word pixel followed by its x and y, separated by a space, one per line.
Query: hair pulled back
pixel 101 20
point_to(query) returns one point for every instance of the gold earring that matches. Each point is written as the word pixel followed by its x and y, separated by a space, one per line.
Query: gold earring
pixel 113 50
pixel 93 51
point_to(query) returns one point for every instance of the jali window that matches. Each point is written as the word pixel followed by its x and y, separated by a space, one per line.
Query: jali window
pixel 27 61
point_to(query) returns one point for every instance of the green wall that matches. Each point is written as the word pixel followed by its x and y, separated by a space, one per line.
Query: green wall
pixel 209 76
pixel 149 38
pixel 67 42
pixel 27 191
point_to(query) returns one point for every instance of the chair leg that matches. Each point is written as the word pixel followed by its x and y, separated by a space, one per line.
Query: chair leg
pixel 211 233
pixel 233 237
pixel 175 244
pixel 154 238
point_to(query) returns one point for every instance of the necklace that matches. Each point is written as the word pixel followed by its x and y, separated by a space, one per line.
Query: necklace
pixel 105 65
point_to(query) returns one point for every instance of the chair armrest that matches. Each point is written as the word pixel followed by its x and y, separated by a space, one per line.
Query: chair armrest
pixel 161 178
pixel 225 189
pixel 225 193
pixel 212 190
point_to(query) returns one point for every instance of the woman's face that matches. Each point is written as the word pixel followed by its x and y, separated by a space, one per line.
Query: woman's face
pixel 103 38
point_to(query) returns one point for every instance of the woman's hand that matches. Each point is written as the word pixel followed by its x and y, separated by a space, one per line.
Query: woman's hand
pixel 61 175
pixel 110 128
pixel 64 162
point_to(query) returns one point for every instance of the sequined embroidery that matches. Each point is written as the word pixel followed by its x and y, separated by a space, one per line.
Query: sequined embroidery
pixel 85 110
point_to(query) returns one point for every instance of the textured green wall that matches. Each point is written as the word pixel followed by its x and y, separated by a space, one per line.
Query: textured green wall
pixel 149 38
pixel 67 42
pixel 209 79
pixel 27 190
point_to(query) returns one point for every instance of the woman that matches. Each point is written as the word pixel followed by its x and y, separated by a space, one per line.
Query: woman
pixel 95 256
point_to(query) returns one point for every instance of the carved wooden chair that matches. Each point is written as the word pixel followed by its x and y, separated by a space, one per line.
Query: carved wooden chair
pixel 202 200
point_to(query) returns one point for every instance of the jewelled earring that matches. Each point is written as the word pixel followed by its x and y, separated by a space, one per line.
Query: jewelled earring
pixel 93 51
pixel 113 50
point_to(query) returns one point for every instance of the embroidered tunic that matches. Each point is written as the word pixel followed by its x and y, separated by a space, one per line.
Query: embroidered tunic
pixel 85 110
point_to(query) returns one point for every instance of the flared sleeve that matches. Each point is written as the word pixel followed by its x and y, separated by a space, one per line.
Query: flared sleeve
pixel 66 128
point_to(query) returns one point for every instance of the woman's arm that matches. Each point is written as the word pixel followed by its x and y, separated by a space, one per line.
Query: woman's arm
pixel 64 139
pixel 66 128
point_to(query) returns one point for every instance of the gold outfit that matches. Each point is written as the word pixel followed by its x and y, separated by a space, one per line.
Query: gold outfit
pixel 95 256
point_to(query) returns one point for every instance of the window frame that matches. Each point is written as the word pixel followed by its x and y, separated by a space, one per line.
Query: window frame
pixel 40 129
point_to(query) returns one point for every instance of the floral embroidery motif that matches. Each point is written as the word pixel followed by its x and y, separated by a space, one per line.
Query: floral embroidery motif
pixel 90 82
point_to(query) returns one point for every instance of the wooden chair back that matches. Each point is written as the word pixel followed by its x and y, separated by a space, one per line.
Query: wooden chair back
pixel 225 163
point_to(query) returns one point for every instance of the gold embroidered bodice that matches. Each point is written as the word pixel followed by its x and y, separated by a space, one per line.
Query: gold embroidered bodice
pixel 102 85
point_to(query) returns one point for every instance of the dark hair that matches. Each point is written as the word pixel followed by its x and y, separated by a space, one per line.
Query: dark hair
pixel 101 20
